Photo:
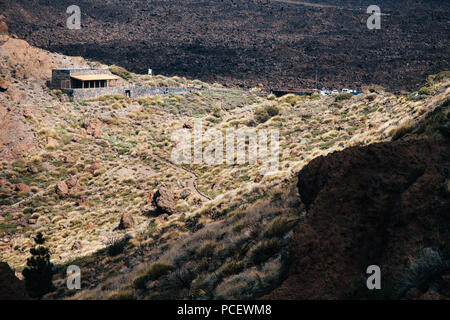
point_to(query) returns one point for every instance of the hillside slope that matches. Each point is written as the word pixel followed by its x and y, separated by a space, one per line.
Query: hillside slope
pixel 101 171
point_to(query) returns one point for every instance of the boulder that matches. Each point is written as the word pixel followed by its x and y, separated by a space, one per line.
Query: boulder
pixel 149 198
pixel 73 185
pixel 184 194
pixel 83 201
pixel 32 169
pixel 126 221
pixel 77 245
pixel 96 166
pixel 62 189
pixel 52 143
pixel 68 159
pixel 94 127
pixel 164 200
pixel 22 187
pixel 71 182
pixel 3 85
pixel 3 28
pixel 187 125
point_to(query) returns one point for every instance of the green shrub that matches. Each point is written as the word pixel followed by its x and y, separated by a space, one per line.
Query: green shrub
pixel 272 110
pixel 119 71
pixel 265 250
pixel 140 282
pixel 230 269
pixel 206 250
pixel 261 115
pixel 57 93
pixel 278 227
pixel 116 247
pixel 424 91
pixel 217 112
pixel 156 271
pixel 343 96
pixel 291 99
pixel 405 126
pixel 125 294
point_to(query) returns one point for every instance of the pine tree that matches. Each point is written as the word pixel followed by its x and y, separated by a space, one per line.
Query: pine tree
pixel 38 273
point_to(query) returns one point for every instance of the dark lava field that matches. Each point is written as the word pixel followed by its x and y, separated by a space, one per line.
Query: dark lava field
pixel 285 43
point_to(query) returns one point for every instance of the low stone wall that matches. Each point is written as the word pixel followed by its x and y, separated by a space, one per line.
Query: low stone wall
pixel 133 92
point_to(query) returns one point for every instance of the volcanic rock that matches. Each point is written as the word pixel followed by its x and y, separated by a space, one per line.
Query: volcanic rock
pixel 3 28
pixel 3 85
pixel 22 187
pixel 94 127
pixel 11 288
pixel 126 221
pixel 373 205
pixel 62 189
pixel 164 200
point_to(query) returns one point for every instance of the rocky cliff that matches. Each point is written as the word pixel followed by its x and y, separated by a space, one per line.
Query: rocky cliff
pixel 11 288
pixel 385 204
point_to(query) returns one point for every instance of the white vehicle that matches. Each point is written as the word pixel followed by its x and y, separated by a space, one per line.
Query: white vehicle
pixel 334 92
pixel 346 91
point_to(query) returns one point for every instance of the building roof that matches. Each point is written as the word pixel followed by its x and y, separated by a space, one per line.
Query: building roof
pixel 90 77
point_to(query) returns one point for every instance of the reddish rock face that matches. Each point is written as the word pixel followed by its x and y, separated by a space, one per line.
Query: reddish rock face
pixel 16 137
pixel 374 205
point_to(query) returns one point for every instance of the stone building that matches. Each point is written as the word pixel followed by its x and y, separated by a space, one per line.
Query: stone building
pixel 83 79
pixel 82 84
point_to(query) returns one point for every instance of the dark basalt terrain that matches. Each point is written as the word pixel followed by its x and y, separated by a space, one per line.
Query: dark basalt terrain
pixel 285 43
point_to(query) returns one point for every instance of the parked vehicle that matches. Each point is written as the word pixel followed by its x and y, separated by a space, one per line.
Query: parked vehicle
pixel 335 92
pixel 346 91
